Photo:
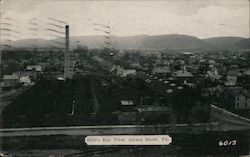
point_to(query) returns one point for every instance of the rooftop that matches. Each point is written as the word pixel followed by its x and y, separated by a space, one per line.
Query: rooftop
pixel 183 73
pixel 10 77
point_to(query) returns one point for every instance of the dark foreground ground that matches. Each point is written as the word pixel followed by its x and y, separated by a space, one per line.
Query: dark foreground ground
pixel 96 100
pixel 206 143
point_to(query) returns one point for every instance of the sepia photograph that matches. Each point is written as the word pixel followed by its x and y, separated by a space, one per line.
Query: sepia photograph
pixel 124 78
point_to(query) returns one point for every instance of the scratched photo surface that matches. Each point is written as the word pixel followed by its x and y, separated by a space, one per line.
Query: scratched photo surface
pixel 124 78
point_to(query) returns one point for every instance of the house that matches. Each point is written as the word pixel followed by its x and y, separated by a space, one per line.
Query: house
pixel 213 74
pixel 190 83
pixel 25 79
pixel 212 90
pixel 10 81
pixel 60 78
pixel 161 70
pixel 127 72
pixel 232 77
pixel 246 72
pixel 229 83
pixel 120 71
pixel 117 70
pixel 151 108
pixel 229 95
pixel 222 69
pixel 183 73
pixel 188 53
pixel 242 100
pixel 37 68
pixel 211 62
pixel 127 105
pixel 135 65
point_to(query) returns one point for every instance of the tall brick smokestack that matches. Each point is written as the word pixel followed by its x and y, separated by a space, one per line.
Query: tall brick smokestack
pixel 66 55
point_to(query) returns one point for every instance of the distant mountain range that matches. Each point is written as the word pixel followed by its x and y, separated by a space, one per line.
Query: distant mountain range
pixel 228 42
pixel 142 42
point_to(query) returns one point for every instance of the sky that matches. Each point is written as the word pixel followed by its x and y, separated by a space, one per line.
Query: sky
pixel 200 18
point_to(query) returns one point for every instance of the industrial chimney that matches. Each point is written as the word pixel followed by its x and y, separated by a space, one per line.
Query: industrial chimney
pixel 66 55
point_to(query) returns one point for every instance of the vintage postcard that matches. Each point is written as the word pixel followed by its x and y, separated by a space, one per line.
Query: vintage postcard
pixel 124 78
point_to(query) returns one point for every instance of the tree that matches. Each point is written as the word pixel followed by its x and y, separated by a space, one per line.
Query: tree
pixel 200 113
pixel 184 101
pixel 82 51
pixel 12 66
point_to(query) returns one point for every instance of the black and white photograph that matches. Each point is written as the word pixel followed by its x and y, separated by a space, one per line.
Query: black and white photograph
pixel 124 78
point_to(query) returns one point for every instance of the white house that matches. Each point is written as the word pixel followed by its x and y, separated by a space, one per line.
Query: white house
pixel 127 103
pixel 25 79
pixel 10 81
pixel 213 74
pixel 119 71
pixel 127 72
pixel 232 75
pixel 183 73
pixel 242 100
pixel 37 68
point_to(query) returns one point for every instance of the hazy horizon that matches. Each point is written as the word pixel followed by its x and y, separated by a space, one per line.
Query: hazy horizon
pixel 101 35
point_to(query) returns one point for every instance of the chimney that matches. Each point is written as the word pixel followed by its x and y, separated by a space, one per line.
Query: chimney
pixel 66 55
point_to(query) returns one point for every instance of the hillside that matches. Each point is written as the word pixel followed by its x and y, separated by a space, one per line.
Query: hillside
pixel 227 42
pixel 172 41
pixel 243 44
pixel 31 42
pixel 142 42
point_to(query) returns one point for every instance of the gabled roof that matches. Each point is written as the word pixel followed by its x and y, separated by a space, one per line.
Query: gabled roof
pixel 169 91
pixel 127 102
pixel 161 69
pixel 246 93
pixel 233 92
pixel 233 72
pixel 247 72
pixel 179 87
pixel 35 67
pixel 183 73
pixel 10 77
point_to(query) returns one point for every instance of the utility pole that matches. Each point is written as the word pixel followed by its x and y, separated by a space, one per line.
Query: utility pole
pixel 141 101
pixel 73 108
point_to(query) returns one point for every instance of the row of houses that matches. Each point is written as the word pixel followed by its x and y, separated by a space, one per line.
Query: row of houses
pixel 24 78
pixel 218 87
pixel 120 71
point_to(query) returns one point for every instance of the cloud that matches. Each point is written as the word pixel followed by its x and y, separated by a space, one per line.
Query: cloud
pixel 20 6
pixel 191 7
pixel 194 17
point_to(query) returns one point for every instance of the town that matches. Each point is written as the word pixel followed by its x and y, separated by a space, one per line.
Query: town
pixel 119 88
pixel 122 87
pixel 110 78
